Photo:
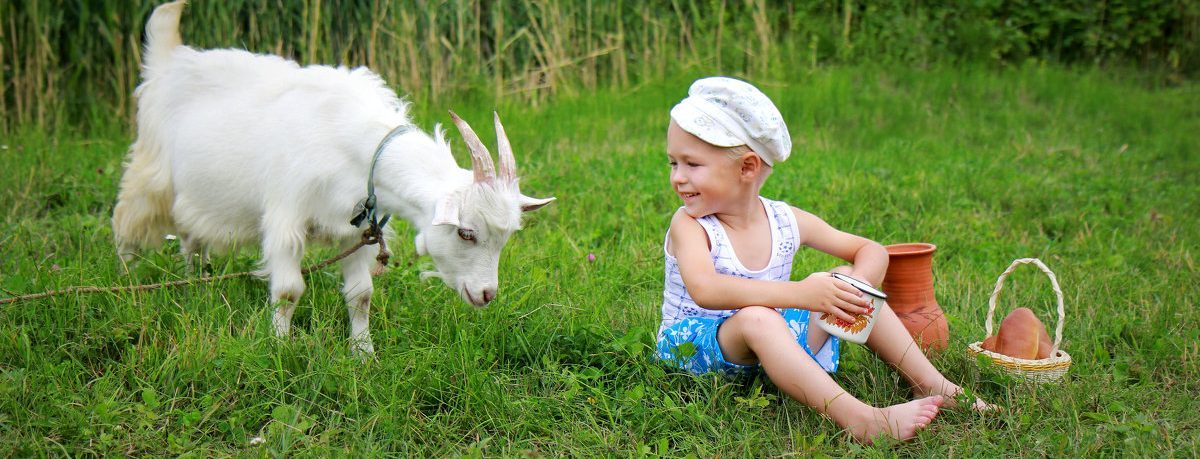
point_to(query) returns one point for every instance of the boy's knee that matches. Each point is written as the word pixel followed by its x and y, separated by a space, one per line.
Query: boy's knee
pixel 758 324
pixel 759 317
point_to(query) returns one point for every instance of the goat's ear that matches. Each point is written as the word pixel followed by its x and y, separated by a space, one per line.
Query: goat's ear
pixel 529 204
pixel 446 211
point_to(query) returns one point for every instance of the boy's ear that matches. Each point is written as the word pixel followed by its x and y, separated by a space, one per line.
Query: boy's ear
pixel 751 165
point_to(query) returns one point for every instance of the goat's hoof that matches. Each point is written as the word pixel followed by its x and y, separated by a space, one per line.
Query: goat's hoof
pixel 363 350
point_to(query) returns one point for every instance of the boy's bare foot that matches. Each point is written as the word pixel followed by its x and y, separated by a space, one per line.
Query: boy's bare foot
pixel 952 393
pixel 900 421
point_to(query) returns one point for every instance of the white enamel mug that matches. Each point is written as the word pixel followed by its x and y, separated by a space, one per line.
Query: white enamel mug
pixel 857 331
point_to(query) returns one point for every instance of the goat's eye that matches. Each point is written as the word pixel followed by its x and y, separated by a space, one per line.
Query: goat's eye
pixel 466 234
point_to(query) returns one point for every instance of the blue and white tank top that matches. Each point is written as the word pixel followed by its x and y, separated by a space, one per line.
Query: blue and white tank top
pixel 678 305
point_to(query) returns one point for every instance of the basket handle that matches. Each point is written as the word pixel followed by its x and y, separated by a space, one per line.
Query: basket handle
pixel 1053 282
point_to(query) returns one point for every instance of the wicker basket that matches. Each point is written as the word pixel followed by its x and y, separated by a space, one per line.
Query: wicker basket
pixel 1049 369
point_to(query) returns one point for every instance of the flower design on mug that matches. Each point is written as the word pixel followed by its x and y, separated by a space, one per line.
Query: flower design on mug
pixel 860 320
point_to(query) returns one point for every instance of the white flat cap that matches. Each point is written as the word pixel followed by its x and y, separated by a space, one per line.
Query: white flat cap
pixel 727 112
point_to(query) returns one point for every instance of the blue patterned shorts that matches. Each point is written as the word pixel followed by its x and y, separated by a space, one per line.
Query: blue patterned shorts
pixel 691 344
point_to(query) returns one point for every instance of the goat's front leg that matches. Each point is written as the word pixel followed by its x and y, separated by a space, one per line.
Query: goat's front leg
pixel 356 273
pixel 282 255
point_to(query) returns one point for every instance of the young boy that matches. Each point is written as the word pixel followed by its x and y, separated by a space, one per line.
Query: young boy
pixel 728 303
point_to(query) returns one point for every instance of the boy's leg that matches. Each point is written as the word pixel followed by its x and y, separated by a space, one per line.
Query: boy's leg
pixel 892 343
pixel 816 335
pixel 760 335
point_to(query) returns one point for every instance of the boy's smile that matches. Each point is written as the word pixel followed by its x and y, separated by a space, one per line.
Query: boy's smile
pixel 704 177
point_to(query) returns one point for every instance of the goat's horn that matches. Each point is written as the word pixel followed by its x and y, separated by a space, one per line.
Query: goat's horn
pixel 508 165
pixel 481 159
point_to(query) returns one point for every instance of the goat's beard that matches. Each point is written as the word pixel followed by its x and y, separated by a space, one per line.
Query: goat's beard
pixel 426 275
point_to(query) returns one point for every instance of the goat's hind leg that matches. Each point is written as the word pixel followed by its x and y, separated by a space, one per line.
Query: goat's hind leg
pixel 142 214
pixel 125 254
pixel 190 247
pixel 357 288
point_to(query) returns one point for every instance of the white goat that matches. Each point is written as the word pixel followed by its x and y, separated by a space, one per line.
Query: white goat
pixel 234 147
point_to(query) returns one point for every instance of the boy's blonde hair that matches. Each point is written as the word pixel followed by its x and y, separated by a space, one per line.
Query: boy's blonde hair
pixel 735 153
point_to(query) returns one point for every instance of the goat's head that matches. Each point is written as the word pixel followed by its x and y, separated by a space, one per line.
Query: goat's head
pixel 471 225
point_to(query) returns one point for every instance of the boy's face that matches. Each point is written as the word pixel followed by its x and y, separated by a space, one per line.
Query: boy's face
pixel 704 176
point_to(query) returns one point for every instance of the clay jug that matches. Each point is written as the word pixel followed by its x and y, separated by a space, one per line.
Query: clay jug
pixel 909 285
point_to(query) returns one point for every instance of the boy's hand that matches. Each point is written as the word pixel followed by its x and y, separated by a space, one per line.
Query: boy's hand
pixel 821 292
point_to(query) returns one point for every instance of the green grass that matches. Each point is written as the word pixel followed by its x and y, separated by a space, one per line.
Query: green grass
pixel 1095 175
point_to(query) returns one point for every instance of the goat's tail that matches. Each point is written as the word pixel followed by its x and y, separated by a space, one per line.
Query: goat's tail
pixel 162 32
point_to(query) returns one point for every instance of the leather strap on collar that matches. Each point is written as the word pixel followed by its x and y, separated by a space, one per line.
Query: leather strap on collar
pixel 366 207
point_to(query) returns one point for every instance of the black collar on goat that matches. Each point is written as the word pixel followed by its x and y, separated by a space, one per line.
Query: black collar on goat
pixel 368 204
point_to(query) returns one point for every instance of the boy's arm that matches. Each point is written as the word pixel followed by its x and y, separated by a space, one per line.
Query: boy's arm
pixel 711 290
pixel 869 260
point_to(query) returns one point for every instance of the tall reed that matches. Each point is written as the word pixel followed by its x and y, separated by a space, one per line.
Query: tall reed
pixel 63 61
